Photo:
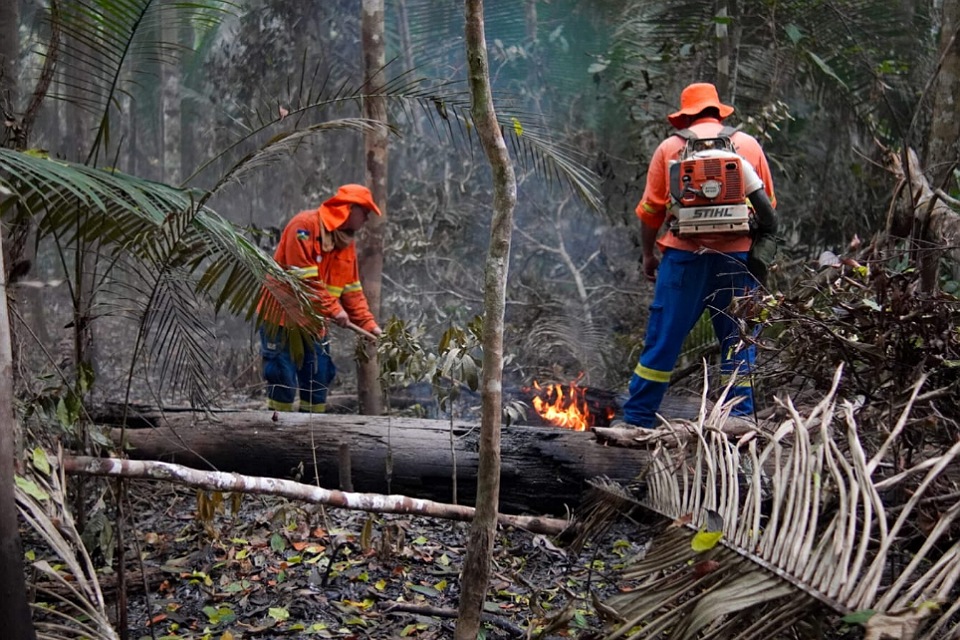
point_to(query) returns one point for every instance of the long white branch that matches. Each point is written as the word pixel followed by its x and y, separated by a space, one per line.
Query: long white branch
pixel 221 481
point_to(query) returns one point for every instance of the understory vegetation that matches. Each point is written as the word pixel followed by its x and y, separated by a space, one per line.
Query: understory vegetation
pixel 151 152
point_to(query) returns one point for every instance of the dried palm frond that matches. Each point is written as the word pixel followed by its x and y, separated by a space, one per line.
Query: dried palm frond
pixel 70 602
pixel 804 530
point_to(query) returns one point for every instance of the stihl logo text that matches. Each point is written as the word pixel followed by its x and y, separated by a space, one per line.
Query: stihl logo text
pixel 712 212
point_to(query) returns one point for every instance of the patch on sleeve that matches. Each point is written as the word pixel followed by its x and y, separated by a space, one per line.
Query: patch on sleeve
pixel 303 234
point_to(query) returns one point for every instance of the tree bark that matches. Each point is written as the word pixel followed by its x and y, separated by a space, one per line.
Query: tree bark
pixel 14 610
pixel 9 52
pixel 943 146
pixel 545 468
pixel 476 565
pixel 371 247
pixel 938 223
pixel 170 109
pixel 233 482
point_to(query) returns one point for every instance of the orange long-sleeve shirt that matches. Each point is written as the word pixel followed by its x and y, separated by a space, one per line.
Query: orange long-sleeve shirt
pixel 655 203
pixel 333 276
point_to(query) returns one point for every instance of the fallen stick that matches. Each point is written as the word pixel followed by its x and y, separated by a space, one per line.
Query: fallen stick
pixel 221 481
pixel 438 612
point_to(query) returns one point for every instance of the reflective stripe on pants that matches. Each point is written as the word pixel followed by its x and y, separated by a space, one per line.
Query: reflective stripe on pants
pixel 687 284
pixel 285 379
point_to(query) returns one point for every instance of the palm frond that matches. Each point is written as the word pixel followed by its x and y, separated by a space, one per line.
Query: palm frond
pixel 77 607
pixel 844 46
pixel 181 248
pixel 804 525
pixel 106 39
pixel 282 145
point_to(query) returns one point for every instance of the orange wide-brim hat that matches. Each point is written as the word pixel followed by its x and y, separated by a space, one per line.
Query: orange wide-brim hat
pixel 336 210
pixel 694 99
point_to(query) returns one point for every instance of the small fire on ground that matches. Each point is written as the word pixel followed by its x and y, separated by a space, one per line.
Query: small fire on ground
pixel 562 406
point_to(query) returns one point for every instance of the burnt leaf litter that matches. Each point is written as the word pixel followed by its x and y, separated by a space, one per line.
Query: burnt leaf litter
pixel 223 567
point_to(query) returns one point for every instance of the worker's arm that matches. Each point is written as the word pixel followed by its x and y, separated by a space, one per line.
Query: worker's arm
pixel 652 210
pixel 763 250
pixel 648 243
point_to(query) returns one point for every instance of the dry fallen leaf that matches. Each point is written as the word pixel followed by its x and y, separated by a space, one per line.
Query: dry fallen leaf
pixel 682 521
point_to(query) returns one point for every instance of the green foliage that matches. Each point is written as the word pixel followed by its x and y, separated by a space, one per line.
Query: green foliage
pixel 865 313
pixel 108 45
pixel 175 248
pixel 404 360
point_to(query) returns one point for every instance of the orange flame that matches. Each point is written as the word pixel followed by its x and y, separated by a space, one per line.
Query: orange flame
pixel 563 408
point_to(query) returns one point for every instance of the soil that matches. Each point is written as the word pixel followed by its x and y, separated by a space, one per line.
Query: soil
pixel 278 569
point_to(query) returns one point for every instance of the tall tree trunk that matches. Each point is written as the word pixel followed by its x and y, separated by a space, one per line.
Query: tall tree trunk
pixel 534 85
pixel 371 248
pixel 476 565
pixel 14 610
pixel 9 51
pixel 170 110
pixel 728 43
pixel 943 146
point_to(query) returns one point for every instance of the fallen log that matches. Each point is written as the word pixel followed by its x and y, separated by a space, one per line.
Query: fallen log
pixel 544 469
pixel 234 482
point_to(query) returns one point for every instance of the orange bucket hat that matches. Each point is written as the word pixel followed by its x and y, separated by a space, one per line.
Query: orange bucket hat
pixel 336 210
pixel 694 99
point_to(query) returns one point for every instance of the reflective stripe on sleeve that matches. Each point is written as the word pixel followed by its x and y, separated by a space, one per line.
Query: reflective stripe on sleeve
pixel 336 292
pixel 304 272
pixel 652 375
pixel 353 287
pixel 649 208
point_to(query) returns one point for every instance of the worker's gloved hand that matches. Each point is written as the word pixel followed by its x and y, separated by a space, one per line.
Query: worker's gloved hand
pixel 649 265
pixel 763 253
pixel 377 331
pixel 341 319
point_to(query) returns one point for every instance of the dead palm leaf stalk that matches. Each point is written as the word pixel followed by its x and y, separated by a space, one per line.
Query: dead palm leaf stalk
pixel 70 602
pixel 804 534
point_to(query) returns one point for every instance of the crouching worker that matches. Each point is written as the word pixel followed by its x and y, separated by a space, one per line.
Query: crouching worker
pixel 708 206
pixel 317 246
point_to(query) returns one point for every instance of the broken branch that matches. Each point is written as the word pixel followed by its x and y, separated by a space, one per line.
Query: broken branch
pixel 221 481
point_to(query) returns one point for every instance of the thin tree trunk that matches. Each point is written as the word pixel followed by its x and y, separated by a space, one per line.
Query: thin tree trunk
pixel 371 249
pixel 476 567
pixel 943 146
pixel 534 85
pixel 170 110
pixel 14 610
pixel 723 47
pixel 9 51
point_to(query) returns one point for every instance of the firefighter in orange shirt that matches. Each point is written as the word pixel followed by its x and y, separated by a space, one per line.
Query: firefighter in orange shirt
pixel 698 272
pixel 317 246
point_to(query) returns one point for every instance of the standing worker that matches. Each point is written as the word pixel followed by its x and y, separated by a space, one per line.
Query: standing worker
pixel 713 246
pixel 317 246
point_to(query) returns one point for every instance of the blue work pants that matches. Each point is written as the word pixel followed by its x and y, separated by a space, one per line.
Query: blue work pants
pixel 687 284
pixel 284 378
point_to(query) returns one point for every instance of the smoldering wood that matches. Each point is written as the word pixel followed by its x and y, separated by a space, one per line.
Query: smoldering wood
pixel 545 469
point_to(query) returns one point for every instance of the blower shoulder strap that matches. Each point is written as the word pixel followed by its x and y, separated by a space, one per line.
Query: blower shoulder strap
pixel 690 135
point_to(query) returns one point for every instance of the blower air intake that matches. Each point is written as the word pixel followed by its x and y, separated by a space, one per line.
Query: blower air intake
pixel 710 198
